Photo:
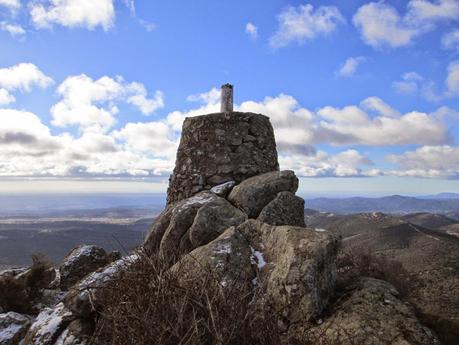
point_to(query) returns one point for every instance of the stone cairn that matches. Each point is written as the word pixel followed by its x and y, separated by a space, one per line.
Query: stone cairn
pixel 229 210
pixel 221 147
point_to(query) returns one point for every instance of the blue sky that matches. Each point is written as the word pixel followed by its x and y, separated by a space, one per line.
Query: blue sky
pixel 363 96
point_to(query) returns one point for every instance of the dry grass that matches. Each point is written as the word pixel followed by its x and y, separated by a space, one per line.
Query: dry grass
pixel 151 304
pixel 354 264
pixel 18 294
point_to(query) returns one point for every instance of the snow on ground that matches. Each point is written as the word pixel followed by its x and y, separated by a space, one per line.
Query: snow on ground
pixel 257 258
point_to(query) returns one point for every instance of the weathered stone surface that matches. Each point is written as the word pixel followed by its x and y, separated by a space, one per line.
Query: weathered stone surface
pixel 253 194
pixel 370 313
pixel 80 262
pixel 78 332
pixel 48 326
pixel 223 189
pixel 221 147
pixel 227 257
pixel 84 298
pixel 155 234
pixel 300 273
pixel 28 276
pixel 13 327
pixel 212 219
pixel 12 272
pixel 285 209
pixel 182 217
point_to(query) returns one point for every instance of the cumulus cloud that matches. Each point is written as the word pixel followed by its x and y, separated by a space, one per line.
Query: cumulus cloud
pixel 152 137
pixel 251 30
pixel 148 148
pixel 73 13
pixel 450 40
pixel 21 77
pixel 92 104
pixel 28 148
pixel 13 29
pixel 23 133
pixel 452 80
pixel 303 23
pixel 349 67
pixel 381 25
pixel 11 4
pixel 349 163
pixel 413 83
pixel 354 125
pixel 6 97
pixel 428 161
pixel 409 84
pixel 139 98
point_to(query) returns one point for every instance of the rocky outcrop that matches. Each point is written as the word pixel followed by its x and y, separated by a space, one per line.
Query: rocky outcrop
pixel 296 264
pixel 253 194
pixel 227 258
pixel 49 325
pixel 80 262
pixel 285 209
pixel 371 313
pixel 196 221
pixel 300 268
pixel 212 219
pixel 85 297
pixel 221 147
pixel 13 327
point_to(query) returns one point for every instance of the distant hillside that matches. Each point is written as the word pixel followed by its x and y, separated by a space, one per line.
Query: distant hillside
pixel 389 204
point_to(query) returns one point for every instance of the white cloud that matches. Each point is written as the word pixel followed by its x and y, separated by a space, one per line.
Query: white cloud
pixel 302 23
pixel 12 29
pixel 372 123
pixel 148 26
pixel 348 163
pixel 436 10
pixel 450 40
pixel 23 133
pixel 73 13
pixel 251 30
pixel 155 138
pixel 412 83
pixel 6 97
pixel 350 66
pixel 381 25
pixel 11 4
pixel 428 161
pixel 148 148
pixel 354 125
pixel 452 80
pixel 92 104
pixel 86 102
pixel 409 84
pixel 27 148
pixel 21 77
pixel 139 99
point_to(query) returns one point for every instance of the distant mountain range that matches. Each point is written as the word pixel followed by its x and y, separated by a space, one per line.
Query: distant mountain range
pixel 388 204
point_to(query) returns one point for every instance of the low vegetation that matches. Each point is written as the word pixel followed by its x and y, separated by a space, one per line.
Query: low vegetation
pixel 354 264
pixel 18 293
pixel 151 304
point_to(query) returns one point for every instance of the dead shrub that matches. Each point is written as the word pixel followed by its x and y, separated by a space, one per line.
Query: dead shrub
pixel 14 296
pixel 152 304
pixel 353 264
pixel 17 293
